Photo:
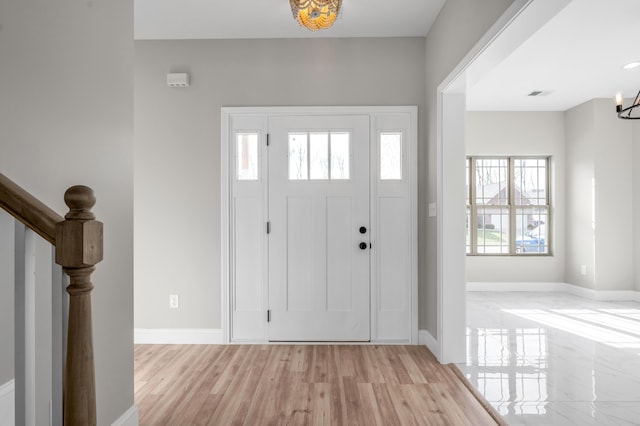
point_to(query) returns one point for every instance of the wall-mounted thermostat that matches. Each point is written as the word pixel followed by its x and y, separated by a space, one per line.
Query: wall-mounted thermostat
pixel 178 79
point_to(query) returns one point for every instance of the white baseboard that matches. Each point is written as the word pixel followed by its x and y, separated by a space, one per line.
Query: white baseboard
pixel 603 295
pixel 426 339
pixel 129 418
pixel 7 404
pixel 511 286
pixel 177 336
pixel 587 293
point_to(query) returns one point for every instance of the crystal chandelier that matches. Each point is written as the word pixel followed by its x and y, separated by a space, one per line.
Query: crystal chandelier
pixel 315 14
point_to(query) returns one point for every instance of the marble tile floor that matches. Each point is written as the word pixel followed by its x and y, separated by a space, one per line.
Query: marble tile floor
pixel 555 358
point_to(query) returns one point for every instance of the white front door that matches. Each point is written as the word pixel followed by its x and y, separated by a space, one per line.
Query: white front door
pixel 298 185
pixel 319 240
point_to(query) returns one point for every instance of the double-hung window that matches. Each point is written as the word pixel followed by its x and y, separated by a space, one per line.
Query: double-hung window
pixel 508 206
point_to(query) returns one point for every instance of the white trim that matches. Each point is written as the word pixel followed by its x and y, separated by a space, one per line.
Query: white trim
pixel 225 191
pixel 415 307
pixel 316 110
pixel 128 418
pixel 426 339
pixel 386 342
pixel 557 287
pixel 602 295
pixel 450 234
pixel 7 402
pixel 513 286
pixel 177 336
pixel 497 43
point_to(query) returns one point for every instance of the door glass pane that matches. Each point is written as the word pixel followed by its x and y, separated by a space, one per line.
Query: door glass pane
pixel 319 155
pixel 340 156
pixel 298 158
pixel 391 156
pixel 247 156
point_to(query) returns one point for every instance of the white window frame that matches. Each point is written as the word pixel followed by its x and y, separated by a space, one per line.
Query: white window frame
pixel 511 205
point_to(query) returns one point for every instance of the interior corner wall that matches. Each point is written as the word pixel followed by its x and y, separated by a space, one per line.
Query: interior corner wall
pixel 66 118
pixel 177 144
pixel 522 133
pixel 458 27
pixel 580 174
pixel 599 227
pixel 635 143
pixel 614 199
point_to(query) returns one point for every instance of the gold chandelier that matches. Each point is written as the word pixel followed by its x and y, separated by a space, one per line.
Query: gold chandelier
pixel 315 14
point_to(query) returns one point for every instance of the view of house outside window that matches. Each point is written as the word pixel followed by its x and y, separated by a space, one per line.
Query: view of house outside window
pixel 508 206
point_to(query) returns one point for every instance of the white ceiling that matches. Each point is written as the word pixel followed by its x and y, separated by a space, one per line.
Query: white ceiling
pixel 577 56
pixel 215 19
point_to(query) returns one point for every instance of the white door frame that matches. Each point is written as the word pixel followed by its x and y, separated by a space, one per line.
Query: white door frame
pixel 520 21
pixel 225 193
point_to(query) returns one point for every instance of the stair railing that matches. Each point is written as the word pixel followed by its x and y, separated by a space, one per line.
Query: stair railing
pixel 77 239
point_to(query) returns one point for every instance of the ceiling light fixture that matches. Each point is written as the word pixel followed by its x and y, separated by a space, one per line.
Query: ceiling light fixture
pixel 315 14
pixel 630 112
pixel 631 65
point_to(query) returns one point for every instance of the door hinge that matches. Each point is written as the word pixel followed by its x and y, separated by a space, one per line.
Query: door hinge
pixel 268 227
pixel 268 315
pixel 267 139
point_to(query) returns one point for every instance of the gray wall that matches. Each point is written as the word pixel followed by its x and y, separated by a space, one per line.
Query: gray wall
pixel 613 189
pixel 522 133
pixel 635 143
pixel 599 231
pixel 66 108
pixel 177 144
pixel 458 27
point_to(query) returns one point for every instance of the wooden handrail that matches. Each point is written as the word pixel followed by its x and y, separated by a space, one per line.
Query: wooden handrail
pixel 28 209
pixel 78 241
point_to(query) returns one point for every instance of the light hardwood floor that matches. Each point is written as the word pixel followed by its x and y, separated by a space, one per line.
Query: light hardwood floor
pixel 299 385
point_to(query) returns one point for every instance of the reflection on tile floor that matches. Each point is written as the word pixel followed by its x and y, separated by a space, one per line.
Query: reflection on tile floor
pixel 555 359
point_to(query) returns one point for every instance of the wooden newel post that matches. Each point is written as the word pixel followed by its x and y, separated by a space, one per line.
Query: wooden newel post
pixel 78 250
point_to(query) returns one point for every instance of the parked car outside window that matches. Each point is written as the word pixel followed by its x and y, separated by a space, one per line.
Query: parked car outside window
pixel 533 240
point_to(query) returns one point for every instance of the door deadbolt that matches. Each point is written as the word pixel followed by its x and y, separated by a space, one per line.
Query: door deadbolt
pixel 363 230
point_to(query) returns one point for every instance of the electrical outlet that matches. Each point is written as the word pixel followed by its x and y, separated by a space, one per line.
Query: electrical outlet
pixel 583 269
pixel 432 209
pixel 174 302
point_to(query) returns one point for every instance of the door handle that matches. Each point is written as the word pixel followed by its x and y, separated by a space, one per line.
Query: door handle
pixel 363 246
